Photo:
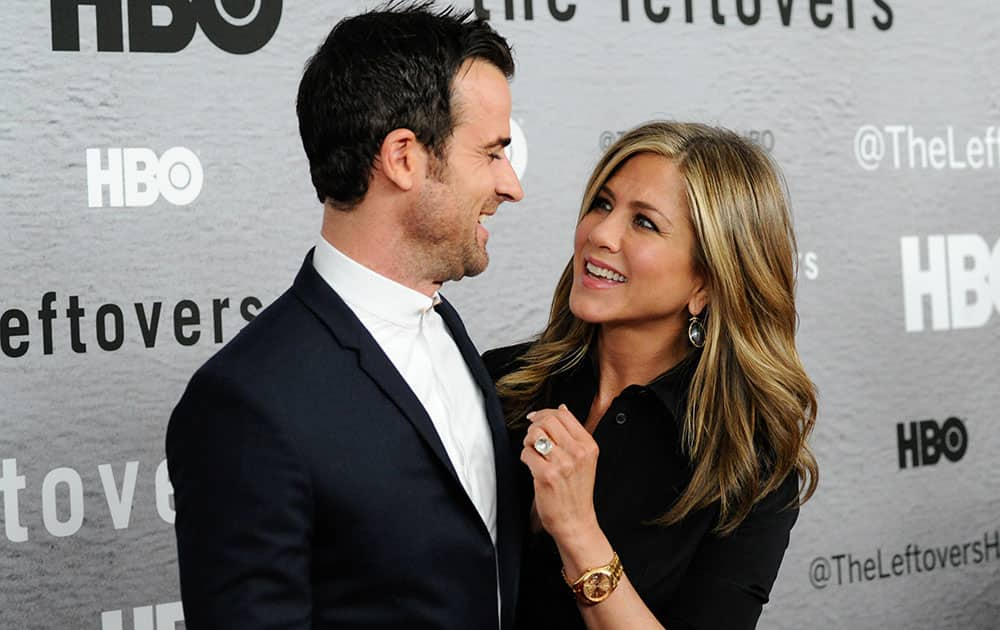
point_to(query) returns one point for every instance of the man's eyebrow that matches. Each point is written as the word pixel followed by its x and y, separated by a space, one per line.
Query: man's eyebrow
pixel 498 143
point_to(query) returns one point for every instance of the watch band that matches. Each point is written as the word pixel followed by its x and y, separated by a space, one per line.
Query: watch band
pixel 596 585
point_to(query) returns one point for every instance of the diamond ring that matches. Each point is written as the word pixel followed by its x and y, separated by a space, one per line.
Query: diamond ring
pixel 543 445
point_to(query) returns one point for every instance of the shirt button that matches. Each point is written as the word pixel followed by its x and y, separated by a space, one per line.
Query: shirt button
pixel 621 418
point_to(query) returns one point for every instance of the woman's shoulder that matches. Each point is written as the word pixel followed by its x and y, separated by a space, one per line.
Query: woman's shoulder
pixel 502 361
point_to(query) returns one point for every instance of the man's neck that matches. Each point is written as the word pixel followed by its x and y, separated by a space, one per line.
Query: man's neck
pixel 375 245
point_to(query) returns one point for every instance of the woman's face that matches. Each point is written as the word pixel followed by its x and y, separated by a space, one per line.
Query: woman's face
pixel 632 260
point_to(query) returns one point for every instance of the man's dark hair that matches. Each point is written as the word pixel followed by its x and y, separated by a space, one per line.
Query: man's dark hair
pixel 388 69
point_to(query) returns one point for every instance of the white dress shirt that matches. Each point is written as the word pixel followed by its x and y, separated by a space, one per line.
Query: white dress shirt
pixel 415 338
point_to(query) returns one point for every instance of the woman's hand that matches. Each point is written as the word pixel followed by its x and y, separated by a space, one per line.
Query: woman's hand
pixel 564 502
pixel 564 478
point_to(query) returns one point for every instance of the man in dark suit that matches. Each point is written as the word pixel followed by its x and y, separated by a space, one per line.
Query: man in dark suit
pixel 343 462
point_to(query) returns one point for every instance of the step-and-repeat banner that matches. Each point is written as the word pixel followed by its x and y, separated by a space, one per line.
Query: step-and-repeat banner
pixel 154 198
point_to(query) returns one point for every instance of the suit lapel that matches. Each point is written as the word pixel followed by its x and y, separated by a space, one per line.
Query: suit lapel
pixel 324 302
pixel 508 518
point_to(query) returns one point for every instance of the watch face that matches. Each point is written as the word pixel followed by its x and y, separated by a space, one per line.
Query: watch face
pixel 597 586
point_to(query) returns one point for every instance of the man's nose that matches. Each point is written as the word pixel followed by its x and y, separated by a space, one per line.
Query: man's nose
pixel 508 185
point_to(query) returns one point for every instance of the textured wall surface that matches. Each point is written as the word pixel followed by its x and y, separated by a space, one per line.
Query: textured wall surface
pixel 121 277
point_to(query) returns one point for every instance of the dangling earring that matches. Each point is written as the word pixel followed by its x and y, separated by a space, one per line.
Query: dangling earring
pixel 696 332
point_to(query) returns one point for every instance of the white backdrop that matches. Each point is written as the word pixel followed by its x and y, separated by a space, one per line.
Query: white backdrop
pixel 155 196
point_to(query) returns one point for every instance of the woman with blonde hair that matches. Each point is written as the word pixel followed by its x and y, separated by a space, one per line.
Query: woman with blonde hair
pixel 664 411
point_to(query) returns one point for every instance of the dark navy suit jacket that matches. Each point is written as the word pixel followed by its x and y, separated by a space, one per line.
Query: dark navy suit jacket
pixel 312 490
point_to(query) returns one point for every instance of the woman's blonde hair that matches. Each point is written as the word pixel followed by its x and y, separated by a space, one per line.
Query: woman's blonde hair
pixel 750 405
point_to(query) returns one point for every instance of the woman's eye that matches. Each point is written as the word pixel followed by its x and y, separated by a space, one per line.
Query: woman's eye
pixel 645 223
pixel 601 204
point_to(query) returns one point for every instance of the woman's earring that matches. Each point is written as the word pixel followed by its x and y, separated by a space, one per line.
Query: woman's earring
pixel 696 332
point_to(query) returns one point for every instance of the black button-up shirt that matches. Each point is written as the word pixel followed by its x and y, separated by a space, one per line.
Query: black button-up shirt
pixel 688 576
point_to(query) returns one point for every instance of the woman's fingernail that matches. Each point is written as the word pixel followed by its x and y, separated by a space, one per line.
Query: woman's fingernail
pixel 531 414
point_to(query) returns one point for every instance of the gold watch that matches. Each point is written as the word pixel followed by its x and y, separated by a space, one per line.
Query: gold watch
pixel 597 584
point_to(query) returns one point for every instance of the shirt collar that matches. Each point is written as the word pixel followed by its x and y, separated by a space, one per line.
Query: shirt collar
pixel 372 292
pixel 670 387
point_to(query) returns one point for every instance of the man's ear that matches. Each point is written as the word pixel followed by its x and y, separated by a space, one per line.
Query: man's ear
pixel 402 160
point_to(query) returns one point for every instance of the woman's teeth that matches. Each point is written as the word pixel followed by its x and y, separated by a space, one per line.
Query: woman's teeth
pixel 607 274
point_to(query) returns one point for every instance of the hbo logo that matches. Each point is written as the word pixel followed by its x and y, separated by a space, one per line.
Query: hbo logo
pixel 166 26
pixel 159 617
pixel 959 275
pixel 136 178
pixel 926 441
